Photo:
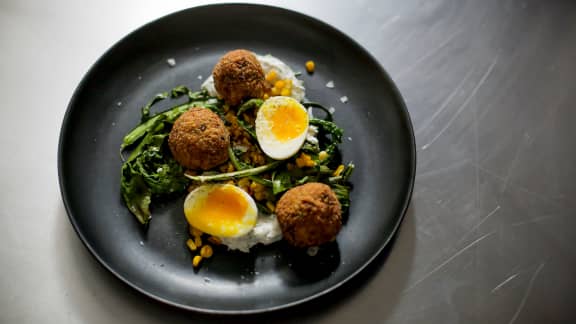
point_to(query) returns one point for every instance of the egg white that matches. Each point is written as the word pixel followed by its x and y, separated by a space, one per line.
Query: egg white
pixel 266 231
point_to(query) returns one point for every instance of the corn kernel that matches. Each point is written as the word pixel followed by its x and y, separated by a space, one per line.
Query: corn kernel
pixel 206 251
pixel 285 92
pixel 308 160
pixel 279 84
pixel 288 83
pixel 270 206
pixel 198 241
pixel 271 76
pixel 196 261
pixel 310 66
pixel 275 91
pixel 265 96
pixel 244 182
pixel 339 170
pixel 256 187
pixel 322 155
pixel 304 160
pixel 299 162
pixel 194 232
pixel 191 245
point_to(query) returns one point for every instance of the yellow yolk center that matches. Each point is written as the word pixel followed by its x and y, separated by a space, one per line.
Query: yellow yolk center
pixel 220 213
pixel 288 121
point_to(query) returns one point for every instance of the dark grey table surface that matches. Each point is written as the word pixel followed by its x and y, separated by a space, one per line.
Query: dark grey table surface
pixel 489 237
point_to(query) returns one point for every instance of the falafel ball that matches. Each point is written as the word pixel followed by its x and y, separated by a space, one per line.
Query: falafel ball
pixel 239 75
pixel 309 215
pixel 199 139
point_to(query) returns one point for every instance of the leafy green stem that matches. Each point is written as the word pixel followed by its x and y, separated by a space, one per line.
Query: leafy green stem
pixel 319 106
pixel 235 174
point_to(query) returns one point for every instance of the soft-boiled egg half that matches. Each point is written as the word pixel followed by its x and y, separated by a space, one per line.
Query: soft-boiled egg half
pixel 222 210
pixel 281 127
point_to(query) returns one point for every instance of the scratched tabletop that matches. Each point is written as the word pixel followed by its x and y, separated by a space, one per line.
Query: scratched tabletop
pixel 490 236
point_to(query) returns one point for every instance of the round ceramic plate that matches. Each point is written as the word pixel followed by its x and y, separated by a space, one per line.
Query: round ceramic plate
pixel 106 105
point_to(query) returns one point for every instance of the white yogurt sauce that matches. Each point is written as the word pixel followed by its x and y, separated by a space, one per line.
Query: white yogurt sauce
pixel 266 231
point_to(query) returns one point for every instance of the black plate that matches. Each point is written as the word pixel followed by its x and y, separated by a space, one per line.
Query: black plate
pixel 378 138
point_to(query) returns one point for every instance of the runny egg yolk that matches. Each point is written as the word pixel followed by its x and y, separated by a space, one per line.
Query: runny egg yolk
pixel 220 210
pixel 288 121
pixel 224 204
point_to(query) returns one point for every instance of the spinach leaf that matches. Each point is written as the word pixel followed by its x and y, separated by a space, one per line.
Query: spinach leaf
pixel 303 180
pixel 319 106
pixel 215 105
pixel 137 196
pixel 310 148
pixel 329 127
pixel 150 125
pixel 179 91
pixel 335 132
pixel 250 104
pixel 343 194
pixel 151 172
pixel 344 175
pixel 162 174
pixel 237 163
pixel 281 181
pixel 240 165
pixel 146 108
pixel 347 172
pixel 342 187
pixel 176 92
pixel 149 140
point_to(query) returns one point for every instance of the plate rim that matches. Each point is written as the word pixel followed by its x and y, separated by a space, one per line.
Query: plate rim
pixel 406 200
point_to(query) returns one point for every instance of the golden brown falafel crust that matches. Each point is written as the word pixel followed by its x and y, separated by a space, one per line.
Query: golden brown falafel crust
pixel 199 139
pixel 239 75
pixel 309 215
